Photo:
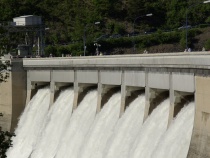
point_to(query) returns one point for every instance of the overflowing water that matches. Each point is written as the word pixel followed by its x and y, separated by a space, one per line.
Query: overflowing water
pixel 126 130
pixel 176 140
pixel 151 132
pixel 57 121
pixel 101 129
pixel 30 125
pixel 60 133
pixel 78 127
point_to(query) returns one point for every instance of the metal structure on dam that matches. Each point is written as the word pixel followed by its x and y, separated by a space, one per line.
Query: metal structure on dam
pixel 180 76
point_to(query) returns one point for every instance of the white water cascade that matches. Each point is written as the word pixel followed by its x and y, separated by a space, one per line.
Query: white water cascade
pixel 151 131
pixel 176 140
pixel 30 125
pixel 57 121
pixel 78 127
pixel 101 129
pixel 60 133
pixel 126 130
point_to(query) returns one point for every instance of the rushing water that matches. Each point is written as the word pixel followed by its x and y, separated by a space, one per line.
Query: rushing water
pixel 126 130
pixel 57 121
pixel 176 140
pixel 101 129
pixel 151 132
pixel 60 133
pixel 78 127
pixel 30 125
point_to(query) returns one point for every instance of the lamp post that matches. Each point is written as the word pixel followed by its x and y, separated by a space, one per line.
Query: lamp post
pixel 84 35
pixel 134 27
pixel 186 25
pixel 44 37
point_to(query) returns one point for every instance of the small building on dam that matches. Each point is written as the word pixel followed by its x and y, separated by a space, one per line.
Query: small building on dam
pixel 181 77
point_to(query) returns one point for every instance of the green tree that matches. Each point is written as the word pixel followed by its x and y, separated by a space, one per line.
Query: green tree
pixel 3 71
pixel 5 141
pixel 5 136
pixel 50 50
pixel 207 44
pixel 68 18
pixel 176 13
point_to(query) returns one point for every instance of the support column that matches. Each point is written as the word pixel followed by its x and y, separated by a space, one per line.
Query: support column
pixel 153 98
pixel 123 94
pixel 52 92
pixel 176 105
pixel 99 99
pixel 147 95
pixel 30 87
pixel 172 100
pixel 76 94
pixel 150 96
pixel 104 93
pixel 100 89
pixel 171 108
pixel 28 98
pixel 76 91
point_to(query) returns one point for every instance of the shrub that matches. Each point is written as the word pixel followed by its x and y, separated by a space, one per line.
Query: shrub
pixel 75 49
pixel 63 50
pixel 5 141
pixel 207 44
pixel 50 50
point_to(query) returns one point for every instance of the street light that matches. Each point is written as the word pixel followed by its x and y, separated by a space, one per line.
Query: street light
pixel 84 35
pixel 186 26
pixel 206 1
pixel 134 28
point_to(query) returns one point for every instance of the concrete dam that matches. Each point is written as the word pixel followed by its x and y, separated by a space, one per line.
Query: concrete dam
pixel 174 79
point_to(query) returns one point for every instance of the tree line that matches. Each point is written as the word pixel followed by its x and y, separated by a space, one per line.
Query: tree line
pixel 68 18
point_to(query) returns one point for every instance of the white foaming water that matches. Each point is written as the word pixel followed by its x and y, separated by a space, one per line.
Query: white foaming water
pixel 101 129
pixel 83 135
pixel 57 121
pixel 126 130
pixel 78 127
pixel 175 142
pixel 30 125
pixel 151 132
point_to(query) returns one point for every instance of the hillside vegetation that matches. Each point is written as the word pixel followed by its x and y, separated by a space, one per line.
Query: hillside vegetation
pixel 67 20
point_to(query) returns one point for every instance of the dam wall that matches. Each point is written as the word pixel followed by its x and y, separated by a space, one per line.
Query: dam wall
pixel 182 77
pixel 6 104
pixel 13 96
